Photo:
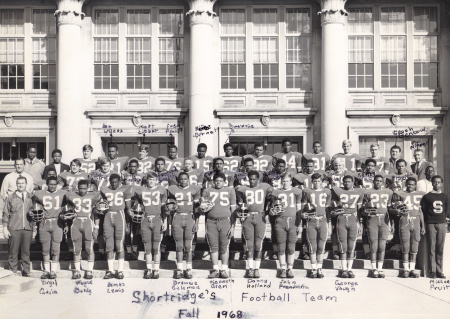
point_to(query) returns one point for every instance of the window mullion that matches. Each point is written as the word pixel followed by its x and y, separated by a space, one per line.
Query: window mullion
pixel 409 48
pixel 154 50
pixel 122 49
pixel 377 49
pixel 249 49
pixel 282 47
pixel 28 31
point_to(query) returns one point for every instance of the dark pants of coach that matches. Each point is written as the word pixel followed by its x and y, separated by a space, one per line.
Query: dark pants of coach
pixel 436 240
pixel 20 240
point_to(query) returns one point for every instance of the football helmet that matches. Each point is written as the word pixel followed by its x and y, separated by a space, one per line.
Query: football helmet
pixel 401 208
pixel 138 212
pixel 337 208
pixel 102 206
pixel 206 205
pixel 310 210
pixel 242 211
pixel 370 208
pixel 37 212
pixel 67 213
pixel 277 207
pixel 171 205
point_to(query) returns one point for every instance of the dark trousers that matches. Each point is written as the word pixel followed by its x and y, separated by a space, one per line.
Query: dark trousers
pixel 20 240
pixel 436 240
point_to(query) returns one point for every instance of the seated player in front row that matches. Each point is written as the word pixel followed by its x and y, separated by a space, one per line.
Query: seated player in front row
pixel 219 204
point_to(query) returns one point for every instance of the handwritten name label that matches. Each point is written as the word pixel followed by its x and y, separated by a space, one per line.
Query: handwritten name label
pixel 291 284
pixel 148 297
pixel 82 287
pixel 113 287
pixel 233 127
pixel 147 129
pixel 346 286
pixel 203 130
pixel 416 144
pixel 258 283
pixel 167 176
pixel 408 132
pixel 221 284
pixel 173 129
pixel 109 129
pixel 440 284
pixel 49 287
pixel 184 285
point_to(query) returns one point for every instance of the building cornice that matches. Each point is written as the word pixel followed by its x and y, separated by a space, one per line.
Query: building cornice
pixel 28 114
pixel 257 113
pixel 416 112
pixel 108 113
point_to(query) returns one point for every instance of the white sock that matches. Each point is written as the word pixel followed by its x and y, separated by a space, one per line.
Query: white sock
pixel 111 264
pixel 278 263
pixel 350 264
pixel 156 266
pixel 77 265
pixel 374 266
pixel 121 262
pixel 319 265
pixel 406 266
pixel 47 267
pixel 216 267
pixel 225 267
pixel 149 266
pixel 250 264
pixel 135 248
pixel 54 266
pixel 380 266
pixel 90 265
pixel 180 266
pixel 246 264
pixel 412 265
pixel 257 264
pixel 282 261
pixel 344 265
pixel 189 266
pixel 314 266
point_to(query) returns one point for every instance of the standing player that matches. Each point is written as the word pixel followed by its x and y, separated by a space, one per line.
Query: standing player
pixel 42 184
pixel 287 223
pixel 381 162
pixel 172 160
pixel 118 164
pixel 261 162
pixel 83 228
pixel 69 180
pixel 302 180
pixel 241 177
pixel 152 196
pixel 347 202
pixel 376 202
pixel 184 221
pixel 132 176
pixel 100 177
pixel 406 205
pixel 321 160
pixel 195 174
pixel 352 160
pixel 201 161
pixel 114 223
pixel 316 201
pixel 231 163
pixel 396 153
pixel 51 229
pixel 220 222
pixel 88 165
pixel 146 163
pixel 253 198
pixel 293 160
pixel 398 179
pixel 218 168
pixel 164 177
pixel 435 212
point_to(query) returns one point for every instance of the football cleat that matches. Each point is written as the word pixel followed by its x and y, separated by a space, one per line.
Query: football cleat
pixel 214 274
pixel 138 212
pixel 351 274
pixel 119 275
pixel 45 275
pixel 320 273
pixel 188 274
pixel 256 273
pixel 290 273
pixel 206 205
pixel 405 274
pixel 313 274
pixel 249 273
pixel 148 274
pixel 102 207
pixel 178 274
pixel 375 273
pixel 155 274
pixel 37 212
pixel 67 213
pixel 381 274
pixel 277 207
pixel 344 274
pixel 88 274
pixel 108 275
pixel 76 275
pixel 337 208
pixel 370 208
pixel 52 275
pixel 171 205
pixel 283 273
pixel 223 274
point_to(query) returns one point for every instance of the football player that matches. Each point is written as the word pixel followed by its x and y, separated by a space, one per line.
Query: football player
pixel 152 196
pixel 172 160
pixel 347 202
pixel 51 229
pixel 83 228
pixel 219 203
pixel 88 165
pixel 241 177
pixel 114 222
pixel 195 174
pixel 145 162
pixel 352 160
pixel 396 152
pixel 316 201
pixel 251 201
pixel 69 180
pixel 231 163
pixel 302 180
pixel 287 225
pixel 397 179
pixel 132 177
pixel 164 176
pixel 261 162
pixel 293 160
pixel 201 161
pixel 406 205
pixel 100 177
pixel 184 221
pixel 381 162
pixel 375 208
pixel 42 184
pixel 218 168
pixel 118 164
pixel 321 160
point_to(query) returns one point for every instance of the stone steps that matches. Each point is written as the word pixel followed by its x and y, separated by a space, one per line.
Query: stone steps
pixel 14 284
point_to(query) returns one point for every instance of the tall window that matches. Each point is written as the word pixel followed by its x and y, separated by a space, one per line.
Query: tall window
pixel 171 33
pixel 425 48
pixel 360 48
pixel 44 50
pixel 12 70
pixel 138 49
pixel 232 48
pixel 298 49
pixel 265 49
pixel 106 49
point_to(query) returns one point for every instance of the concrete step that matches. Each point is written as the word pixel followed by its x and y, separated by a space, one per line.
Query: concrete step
pixel 13 284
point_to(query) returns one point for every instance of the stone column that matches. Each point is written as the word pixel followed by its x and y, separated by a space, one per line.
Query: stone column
pixel 201 109
pixel 69 107
pixel 334 75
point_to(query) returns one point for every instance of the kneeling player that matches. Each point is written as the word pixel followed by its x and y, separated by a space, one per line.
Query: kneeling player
pixel 316 201
pixel 219 203
pixel 411 224
pixel 114 223
pixel 253 219
pixel 51 229
pixel 287 222
pixel 83 228
pixel 151 196
pixel 347 202
pixel 184 221
pixel 376 202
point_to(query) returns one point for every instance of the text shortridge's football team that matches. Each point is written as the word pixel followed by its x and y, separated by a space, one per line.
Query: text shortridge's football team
pixel 311 196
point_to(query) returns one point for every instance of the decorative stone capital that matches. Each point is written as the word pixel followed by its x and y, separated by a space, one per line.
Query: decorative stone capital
pixel 201 11
pixel 69 12
pixel 333 11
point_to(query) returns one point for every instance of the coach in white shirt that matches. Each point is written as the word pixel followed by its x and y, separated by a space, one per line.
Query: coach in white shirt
pixel 9 184
pixel 424 185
